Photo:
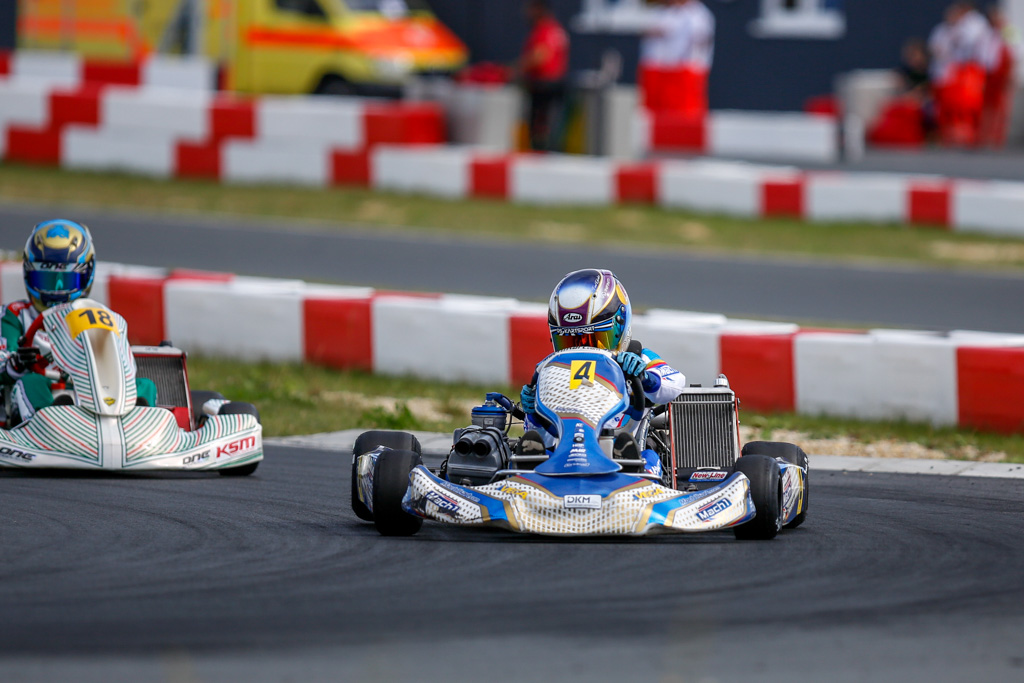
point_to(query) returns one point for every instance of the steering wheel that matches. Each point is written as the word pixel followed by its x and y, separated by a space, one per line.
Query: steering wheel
pixel 40 366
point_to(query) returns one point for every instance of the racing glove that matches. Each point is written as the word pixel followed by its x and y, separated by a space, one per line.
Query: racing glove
pixel 528 399
pixel 22 360
pixel 632 364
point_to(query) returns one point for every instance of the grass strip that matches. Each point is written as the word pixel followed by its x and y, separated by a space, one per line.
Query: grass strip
pixel 341 208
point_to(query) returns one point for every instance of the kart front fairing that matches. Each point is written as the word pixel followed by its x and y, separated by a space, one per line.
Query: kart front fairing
pixel 579 490
pixel 105 429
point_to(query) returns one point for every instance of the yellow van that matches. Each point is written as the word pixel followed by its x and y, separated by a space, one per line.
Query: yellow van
pixel 265 46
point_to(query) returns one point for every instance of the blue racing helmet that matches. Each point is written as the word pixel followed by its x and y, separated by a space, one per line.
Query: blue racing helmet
pixel 590 308
pixel 59 263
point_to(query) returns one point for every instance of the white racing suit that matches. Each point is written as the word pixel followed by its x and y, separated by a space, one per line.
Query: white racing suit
pixel 662 383
pixel 28 391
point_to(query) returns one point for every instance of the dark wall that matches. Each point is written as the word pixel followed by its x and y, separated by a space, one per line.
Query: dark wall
pixel 749 73
pixel 8 13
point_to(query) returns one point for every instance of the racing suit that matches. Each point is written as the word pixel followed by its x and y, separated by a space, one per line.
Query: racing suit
pixel 30 391
pixel 662 383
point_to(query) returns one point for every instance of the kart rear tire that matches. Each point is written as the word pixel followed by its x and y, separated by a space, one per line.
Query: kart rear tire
pixel 766 490
pixel 792 454
pixel 241 471
pixel 198 399
pixel 358 507
pixel 390 482
pixel 399 441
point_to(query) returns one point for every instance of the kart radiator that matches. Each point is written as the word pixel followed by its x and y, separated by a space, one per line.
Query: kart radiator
pixel 704 429
pixel 168 373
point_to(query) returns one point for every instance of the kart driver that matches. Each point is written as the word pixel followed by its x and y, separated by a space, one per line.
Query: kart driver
pixel 595 300
pixel 58 266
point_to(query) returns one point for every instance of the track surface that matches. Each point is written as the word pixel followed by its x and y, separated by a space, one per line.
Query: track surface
pixel 199 578
pixel 788 290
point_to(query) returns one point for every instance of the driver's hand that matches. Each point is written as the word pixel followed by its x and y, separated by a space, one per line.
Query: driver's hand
pixel 24 358
pixel 528 399
pixel 632 364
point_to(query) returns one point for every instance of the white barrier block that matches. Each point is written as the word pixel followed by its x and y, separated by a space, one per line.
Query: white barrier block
pixel 164 111
pixel 435 171
pixel 835 375
pixel 692 347
pixel 331 121
pixel 915 377
pixel 183 73
pixel 138 151
pixel 440 339
pixel 291 162
pixel 12 281
pixel 22 104
pixel 318 291
pixel 243 320
pixel 975 338
pixel 718 188
pixel 773 135
pixel 857 197
pixel 46 68
pixel 988 207
pixel 553 179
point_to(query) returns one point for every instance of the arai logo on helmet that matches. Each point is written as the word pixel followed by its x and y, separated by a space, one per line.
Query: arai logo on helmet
pixel 572 317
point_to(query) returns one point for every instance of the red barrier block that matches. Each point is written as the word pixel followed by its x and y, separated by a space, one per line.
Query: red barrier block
pixel 34 146
pixel 782 198
pixel 111 72
pixel 338 333
pixel 197 160
pixel 636 183
pixel 5 63
pixel 529 343
pixel 81 105
pixel 141 302
pixel 351 168
pixel 930 204
pixel 489 177
pixel 231 117
pixel 760 370
pixel 679 132
pixel 418 123
pixel 990 388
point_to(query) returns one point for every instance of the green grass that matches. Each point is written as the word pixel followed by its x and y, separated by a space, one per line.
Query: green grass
pixel 302 399
pixel 337 208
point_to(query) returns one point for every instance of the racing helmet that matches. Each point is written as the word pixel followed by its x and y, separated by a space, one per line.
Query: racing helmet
pixel 590 308
pixel 58 264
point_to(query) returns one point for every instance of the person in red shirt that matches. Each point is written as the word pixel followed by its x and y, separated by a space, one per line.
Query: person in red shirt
pixel 543 66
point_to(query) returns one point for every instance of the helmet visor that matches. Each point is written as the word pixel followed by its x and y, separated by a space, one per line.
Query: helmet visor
pixel 568 337
pixel 56 281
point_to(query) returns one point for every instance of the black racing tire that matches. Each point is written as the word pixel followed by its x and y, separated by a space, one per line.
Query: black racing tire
pixel 399 441
pixel 792 454
pixel 390 482
pixel 766 490
pixel 198 399
pixel 240 408
pixel 332 84
pixel 358 507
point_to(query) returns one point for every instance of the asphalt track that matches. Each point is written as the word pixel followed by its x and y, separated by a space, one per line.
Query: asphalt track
pixel 203 578
pixel 906 297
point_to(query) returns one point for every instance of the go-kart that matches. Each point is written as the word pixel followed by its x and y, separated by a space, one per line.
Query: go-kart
pixel 583 485
pixel 96 421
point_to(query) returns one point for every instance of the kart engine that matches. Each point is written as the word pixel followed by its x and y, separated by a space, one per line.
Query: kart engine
pixel 478 453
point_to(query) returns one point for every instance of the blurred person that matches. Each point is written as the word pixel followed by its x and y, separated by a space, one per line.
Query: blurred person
pixel 998 56
pixel 958 73
pixel 676 56
pixel 543 66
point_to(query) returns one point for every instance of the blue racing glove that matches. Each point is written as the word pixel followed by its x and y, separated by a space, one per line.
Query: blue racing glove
pixel 632 364
pixel 528 399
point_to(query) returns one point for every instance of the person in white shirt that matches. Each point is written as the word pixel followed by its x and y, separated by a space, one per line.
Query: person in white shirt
pixel 675 57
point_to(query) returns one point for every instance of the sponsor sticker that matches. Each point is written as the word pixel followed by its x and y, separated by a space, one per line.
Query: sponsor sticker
pixel 444 503
pixel 646 493
pixel 708 475
pixel 196 457
pixel 236 447
pixel 13 454
pixel 709 510
pixel 572 318
pixel 510 490
pixel 582 501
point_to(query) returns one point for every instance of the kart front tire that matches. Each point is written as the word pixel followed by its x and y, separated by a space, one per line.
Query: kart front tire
pixel 792 454
pixel 198 398
pixel 766 491
pixel 390 482
pixel 399 441
pixel 360 510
